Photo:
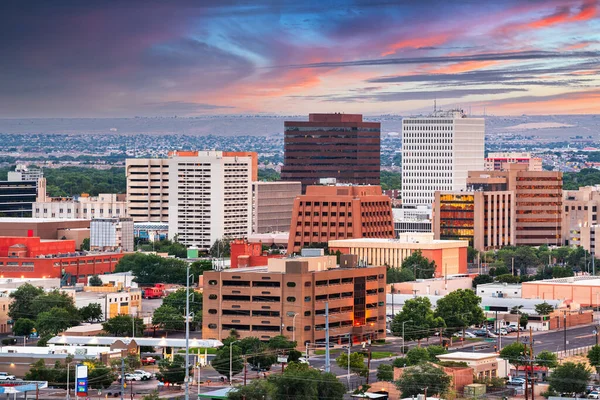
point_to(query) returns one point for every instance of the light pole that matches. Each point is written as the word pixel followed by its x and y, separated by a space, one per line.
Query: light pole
pixel 68 391
pixel 348 376
pixel 403 341
pixel 294 327
pixel 231 361
pixel 187 334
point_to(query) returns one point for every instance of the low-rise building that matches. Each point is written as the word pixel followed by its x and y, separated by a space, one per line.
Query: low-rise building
pixel 484 365
pixel 290 296
pixel 245 254
pixel 450 256
pixel 47 228
pixel 111 234
pixel 434 286
pixel 151 231
pixel 499 289
pixel 113 303
pixel 498 161
pixel 583 290
pixel 105 205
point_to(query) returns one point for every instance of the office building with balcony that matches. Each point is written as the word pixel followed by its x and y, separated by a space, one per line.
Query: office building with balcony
pixel 147 189
pixel 340 146
pixel 326 213
pixel 289 297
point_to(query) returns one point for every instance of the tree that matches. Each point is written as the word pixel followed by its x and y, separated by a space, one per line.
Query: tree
pixel 256 349
pixel 53 322
pixel 168 318
pixel 543 308
pixel 299 381
pixel 357 363
pixel 460 309
pixel 22 299
pixel 280 342
pixel 472 254
pixel 122 325
pixel 562 272
pixel 515 353
pixel 482 280
pixel 569 378
pixel 420 266
pixel 177 301
pixel 415 378
pixel 85 244
pixel 385 372
pixel 417 355
pixel 419 318
pixel 221 361
pixel 255 390
pixel 23 327
pixel 593 357
pixel 99 375
pixel 198 268
pixel 546 359
pixel 91 313
pixel 508 278
pixel 172 371
pixel 220 248
pixel 434 351
pixel 150 268
pixel 132 362
pixel 524 320
pixel 397 275
pixel 95 281
pixel 56 299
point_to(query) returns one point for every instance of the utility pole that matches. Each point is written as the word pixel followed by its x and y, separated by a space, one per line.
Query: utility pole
pixel 531 362
pixel 245 371
pixel 327 360
pixel 68 391
pixel 565 329
pixel 348 366
pixel 122 377
pixel 425 390
pixel 513 266
pixel 369 365
pixel 187 334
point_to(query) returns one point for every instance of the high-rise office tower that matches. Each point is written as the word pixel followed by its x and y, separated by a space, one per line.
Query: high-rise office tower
pixel 147 189
pixel 339 146
pixel 438 151
pixel 210 196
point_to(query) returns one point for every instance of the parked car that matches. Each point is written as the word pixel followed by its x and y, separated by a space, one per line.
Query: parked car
pixel 501 331
pixel 491 334
pixel 510 328
pixel 144 374
pixel 259 369
pixel 480 332
pixel 4 376
pixel 594 395
pixel 148 360
pixel 302 360
pixel 517 381
pixel 131 377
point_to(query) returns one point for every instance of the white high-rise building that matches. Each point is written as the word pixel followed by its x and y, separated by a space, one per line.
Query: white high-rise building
pixel 210 196
pixel 438 151
pixel 111 234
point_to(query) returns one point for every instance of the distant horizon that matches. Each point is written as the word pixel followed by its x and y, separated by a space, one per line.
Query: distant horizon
pixel 193 58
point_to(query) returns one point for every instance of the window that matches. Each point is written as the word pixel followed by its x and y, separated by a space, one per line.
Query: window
pixel 289 328
pixel 212 282
pixel 307 284
pixel 307 313
pixel 291 299
pixel 307 328
pixel 212 296
pixel 212 326
pixel 212 311
pixel 291 284
pixel 307 298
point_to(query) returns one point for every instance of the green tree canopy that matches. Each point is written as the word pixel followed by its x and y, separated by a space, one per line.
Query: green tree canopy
pixel 543 308
pixel 172 371
pixel 357 363
pixel 593 357
pixel 149 269
pixel 53 322
pixel 122 325
pixel 460 309
pixel 420 266
pixel 569 378
pixel 220 248
pixel 482 280
pixel 516 353
pixel 23 297
pixel 385 372
pixel 420 320
pixel 95 281
pixel 168 318
pixel 397 275
pixel 414 379
pixel 91 313
pixel 257 352
pixel 546 359
pixel 23 327
pixel 258 389
pixel 299 381
pixel 221 361
pixel 417 355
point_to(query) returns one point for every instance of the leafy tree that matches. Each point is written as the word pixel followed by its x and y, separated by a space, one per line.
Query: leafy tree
pixel 422 320
pixel 122 325
pixel 132 362
pixel 434 351
pixel 85 244
pixel 593 357
pixel 417 355
pixel 390 180
pixel 543 308
pixel 151 269
pixel 508 278
pixel 397 275
pixel 56 299
pixel 221 361
pixel 256 349
pixel 53 322
pixel 268 175
pixel 177 301
pixel 472 254
pixel 172 371
pixel 357 363
pixel 198 268
pixel 546 359
pixel 168 318
pixel 385 372
pixel 70 181
pixel 91 313
pixel 569 378
pixel 482 280
pixel 22 301
pixel 524 320
pixel 299 381
pixel 420 266
pixel 280 342
pixel 516 353
pixel 95 281
pixel 415 378
pixel 99 375
pixel 259 389
pixel 562 272
pixel 400 362
pixel 23 327
pixel 220 248
pixel 460 309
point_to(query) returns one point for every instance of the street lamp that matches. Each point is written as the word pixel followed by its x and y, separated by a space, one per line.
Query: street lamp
pixel 403 341
pixel 231 361
pixel 294 327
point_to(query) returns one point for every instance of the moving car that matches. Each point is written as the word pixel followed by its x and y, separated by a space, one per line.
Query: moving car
pixel 131 377
pixel 480 332
pixel 144 374
pixel 4 376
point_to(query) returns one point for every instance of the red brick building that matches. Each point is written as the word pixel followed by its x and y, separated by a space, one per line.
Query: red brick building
pixel 327 213
pixel 339 146
pixel 32 257
pixel 244 254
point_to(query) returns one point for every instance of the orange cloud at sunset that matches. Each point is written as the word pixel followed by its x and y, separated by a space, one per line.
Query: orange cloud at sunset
pixel 585 102
pixel 465 66
pixel 417 42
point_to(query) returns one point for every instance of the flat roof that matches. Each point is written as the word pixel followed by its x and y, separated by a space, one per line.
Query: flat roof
pixel 584 280
pixel 26 220
pixel 373 242
pixel 141 341
pixel 464 355
pixel 216 394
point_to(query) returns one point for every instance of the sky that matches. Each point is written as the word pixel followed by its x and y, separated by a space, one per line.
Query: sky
pixel 92 58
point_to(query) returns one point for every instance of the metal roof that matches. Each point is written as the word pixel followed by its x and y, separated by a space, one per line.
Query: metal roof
pixel 154 342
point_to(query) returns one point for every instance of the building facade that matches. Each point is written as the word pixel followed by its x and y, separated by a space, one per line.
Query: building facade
pixel 340 146
pixel 580 218
pixel 17 198
pixel 105 205
pixel 148 189
pixel 450 256
pixel 111 234
pixel 497 161
pixel 289 298
pixel 272 204
pixel 210 196
pixel 437 153
pixel 327 213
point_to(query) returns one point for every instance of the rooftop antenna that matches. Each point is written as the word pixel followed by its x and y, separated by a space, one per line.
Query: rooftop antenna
pixel 434 105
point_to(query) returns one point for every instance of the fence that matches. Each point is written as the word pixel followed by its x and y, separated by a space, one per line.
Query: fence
pixel 573 352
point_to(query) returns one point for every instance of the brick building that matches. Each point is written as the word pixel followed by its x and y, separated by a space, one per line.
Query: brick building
pixel 327 213
pixel 244 254
pixel 289 296
pixel 339 146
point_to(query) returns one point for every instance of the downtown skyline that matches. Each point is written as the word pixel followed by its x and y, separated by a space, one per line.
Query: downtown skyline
pixel 187 58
